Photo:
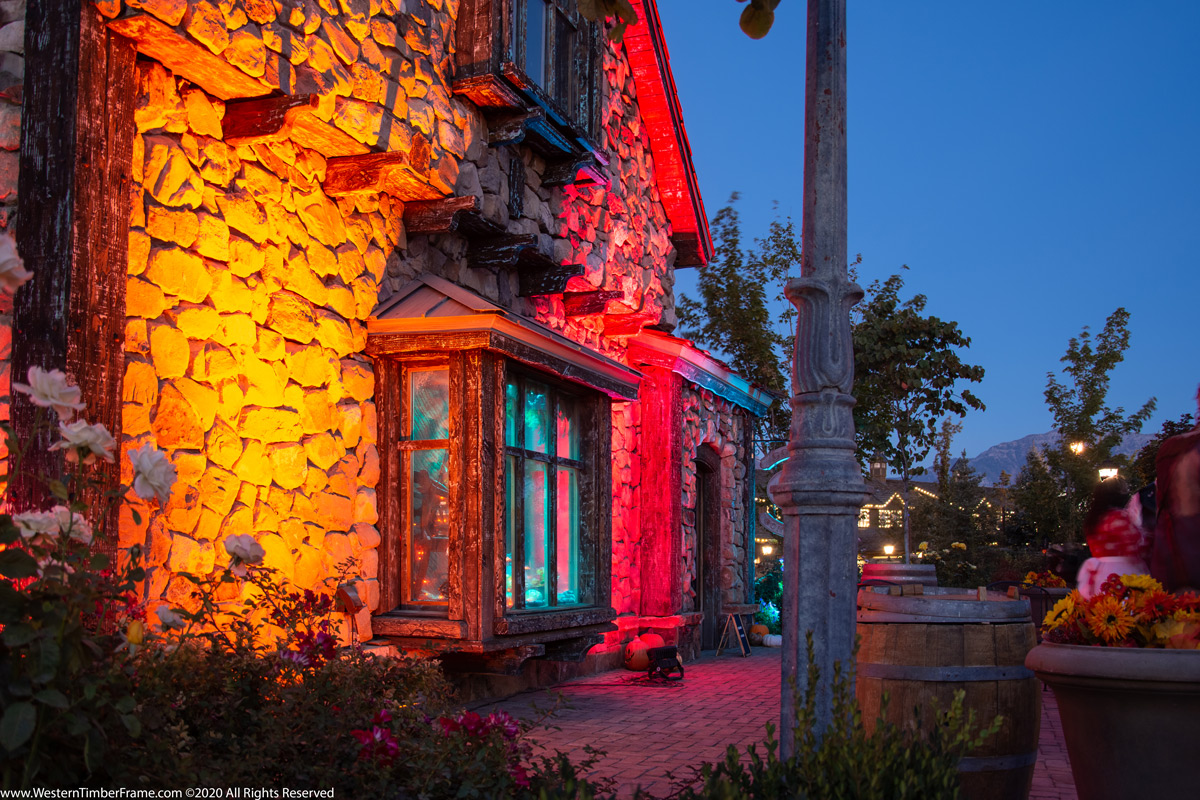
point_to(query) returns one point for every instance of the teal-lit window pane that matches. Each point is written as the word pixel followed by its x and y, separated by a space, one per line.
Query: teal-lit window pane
pixel 510 526
pixel 537 533
pixel 429 403
pixel 566 544
pixel 511 432
pixel 429 516
pixel 567 426
pixel 537 417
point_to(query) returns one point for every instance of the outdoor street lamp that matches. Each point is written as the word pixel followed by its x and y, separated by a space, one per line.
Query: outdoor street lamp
pixel 1078 447
pixel 1108 469
pixel 888 549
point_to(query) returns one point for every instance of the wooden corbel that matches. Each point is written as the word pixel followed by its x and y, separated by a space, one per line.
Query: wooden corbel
pixel 401 173
pixel 252 120
pixel 579 304
pixel 510 128
pixel 530 255
pixel 449 215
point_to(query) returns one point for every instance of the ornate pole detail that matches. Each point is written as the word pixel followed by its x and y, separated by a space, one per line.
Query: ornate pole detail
pixel 820 488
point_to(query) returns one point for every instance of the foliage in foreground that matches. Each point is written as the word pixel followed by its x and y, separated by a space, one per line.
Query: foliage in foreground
pixel 848 762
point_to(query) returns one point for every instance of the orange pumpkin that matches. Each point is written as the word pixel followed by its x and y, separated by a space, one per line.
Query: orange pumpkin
pixel 637 655
pixel 652 640
pixel 757 632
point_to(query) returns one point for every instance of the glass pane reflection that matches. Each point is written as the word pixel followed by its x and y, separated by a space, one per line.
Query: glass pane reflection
pixel 429 518
pixel 537 529
pixel 567 542
pixel 429 403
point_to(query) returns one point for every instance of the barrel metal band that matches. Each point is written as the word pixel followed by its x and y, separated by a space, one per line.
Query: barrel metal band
pixel 996 763
pixel 905 672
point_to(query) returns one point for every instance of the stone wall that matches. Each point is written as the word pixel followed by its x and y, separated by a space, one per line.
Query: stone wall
pixel 711 421
pixel 249 286
pixel 12 72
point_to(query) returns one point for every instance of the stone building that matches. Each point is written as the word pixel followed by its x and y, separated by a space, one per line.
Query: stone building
pixel 391 283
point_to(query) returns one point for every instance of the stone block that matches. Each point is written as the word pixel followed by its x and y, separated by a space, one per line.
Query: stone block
pixel 206 25
pixel 323 450
pixel 243 214
pixel 315 411
pixel 236 329
pixel 144 299
pixel 292 316
pixel 203 400
pixel 180 273
pixel 248 53
pixel 203 117
pixel 140 384
pixel 219 490
pixel 170 351
pixel 245 257
pixel 349 423
pixel 270 425
pixel 230 293
pixel 189 555
pixel 253 466
pixel 168 174
pixel 289 464
pixel 340 299
pixel 358 380
pixel 197 322
pixel 212 237
pixel 223 446
pixel 176 423
pixel 334 334
pixel 139 251
pixel 364 507
pixel 321 217
pixel 278 555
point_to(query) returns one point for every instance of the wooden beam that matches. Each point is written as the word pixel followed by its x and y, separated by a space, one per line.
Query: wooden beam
pixel 579 304
pixel 449 215
pixel 404 175
pixel 74 188
pixel 218 77
pixel 252 120
pixel 510 128
pixel 399 625
pixel 689 250
pixel 487 91
pixel 531 255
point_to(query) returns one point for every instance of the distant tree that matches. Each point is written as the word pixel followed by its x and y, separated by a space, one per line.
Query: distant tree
pixel 955 513
pixel 1143 467
pixel 1039 503
pixel 732 316
pixel 1089 429
pixel 906 380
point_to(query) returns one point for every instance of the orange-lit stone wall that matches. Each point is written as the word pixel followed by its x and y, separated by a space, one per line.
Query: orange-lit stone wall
pixel 249 286
pixel 12 72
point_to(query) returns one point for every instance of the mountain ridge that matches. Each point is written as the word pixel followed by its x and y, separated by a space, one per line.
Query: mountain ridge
pixel 1010 456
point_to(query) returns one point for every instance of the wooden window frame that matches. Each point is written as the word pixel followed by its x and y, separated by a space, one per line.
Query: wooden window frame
pixel 475 609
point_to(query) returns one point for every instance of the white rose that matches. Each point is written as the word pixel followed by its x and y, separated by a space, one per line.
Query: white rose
pixel 170 618
pixel 153 474
pixel 74 525
pixel 12 269
pixel 80 438
pixel 51 390
pixel 34 525
pixel 242 546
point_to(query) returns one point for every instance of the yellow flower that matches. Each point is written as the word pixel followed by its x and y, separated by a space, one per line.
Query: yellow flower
pixel 958 545
pixel 1108 619
pixel 135 633
pixel 923 546
pixel 1141 583
pixel 1063 610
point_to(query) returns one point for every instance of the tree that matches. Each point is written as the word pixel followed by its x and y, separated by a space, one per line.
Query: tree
pixel 1088 428
pixel 954 514
pixel 1143 469
pixel 1039 502
pixel 732 316
pixel 906 379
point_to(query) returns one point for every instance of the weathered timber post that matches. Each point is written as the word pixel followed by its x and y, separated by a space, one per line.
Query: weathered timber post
pixel 73 212
pixel 820 488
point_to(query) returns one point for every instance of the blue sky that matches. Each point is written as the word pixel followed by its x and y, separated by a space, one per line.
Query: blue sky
pixel 1036 165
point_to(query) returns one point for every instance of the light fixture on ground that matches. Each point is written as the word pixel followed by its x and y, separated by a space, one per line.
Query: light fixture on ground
pixel 889 549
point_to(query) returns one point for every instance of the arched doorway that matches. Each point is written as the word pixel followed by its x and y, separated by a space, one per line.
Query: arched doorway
pixel 708 545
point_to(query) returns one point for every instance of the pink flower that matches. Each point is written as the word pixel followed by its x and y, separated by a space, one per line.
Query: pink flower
pixel 51 389
pixel 85 441
pixel 12 269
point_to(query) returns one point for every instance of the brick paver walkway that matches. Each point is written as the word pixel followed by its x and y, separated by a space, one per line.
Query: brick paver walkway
pixel 650 730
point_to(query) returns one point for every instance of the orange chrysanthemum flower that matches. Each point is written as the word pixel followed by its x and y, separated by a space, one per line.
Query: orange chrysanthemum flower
pixel 1153 606
pixel 1108 619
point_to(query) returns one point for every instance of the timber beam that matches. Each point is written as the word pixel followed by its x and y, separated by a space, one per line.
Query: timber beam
pixel 531 255
pixel 580 304
pixel 253 120
pixel 449 215
pixel 404 174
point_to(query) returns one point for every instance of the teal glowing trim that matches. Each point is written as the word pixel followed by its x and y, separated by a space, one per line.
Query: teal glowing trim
pixel 777 463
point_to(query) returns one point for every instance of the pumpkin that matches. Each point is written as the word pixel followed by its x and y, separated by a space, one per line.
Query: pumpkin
pixel 772 640
pixel 757 632
pixel 652 640
pixel 637 655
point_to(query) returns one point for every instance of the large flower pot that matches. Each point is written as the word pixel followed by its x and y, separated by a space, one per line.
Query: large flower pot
pixel 1130 717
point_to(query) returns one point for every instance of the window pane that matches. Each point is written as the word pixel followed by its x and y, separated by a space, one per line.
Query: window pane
pixel 510 526
pixel 567 538
pixel 429 403
pixel 537 417
pixel 564 55
pixel 511 432
pixel 537 533
pixel 568 428
pixel 429 527
pixel 535 41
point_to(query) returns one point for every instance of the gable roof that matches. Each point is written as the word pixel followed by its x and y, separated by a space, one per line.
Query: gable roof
pixel 659 104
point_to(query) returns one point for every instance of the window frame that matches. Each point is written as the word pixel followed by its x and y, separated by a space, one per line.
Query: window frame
pixel 475 608
pixel 584 467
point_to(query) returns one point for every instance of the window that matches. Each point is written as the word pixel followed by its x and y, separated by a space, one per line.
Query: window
pixel 526 54
pixel 424 450
pixel 889 518
pixel 864 518
pixel 544 468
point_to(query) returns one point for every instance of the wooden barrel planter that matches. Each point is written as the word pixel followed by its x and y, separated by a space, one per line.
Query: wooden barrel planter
pixel 919 648
pixel 924 574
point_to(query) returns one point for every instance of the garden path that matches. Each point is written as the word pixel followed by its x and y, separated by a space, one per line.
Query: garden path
pixel 648 731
